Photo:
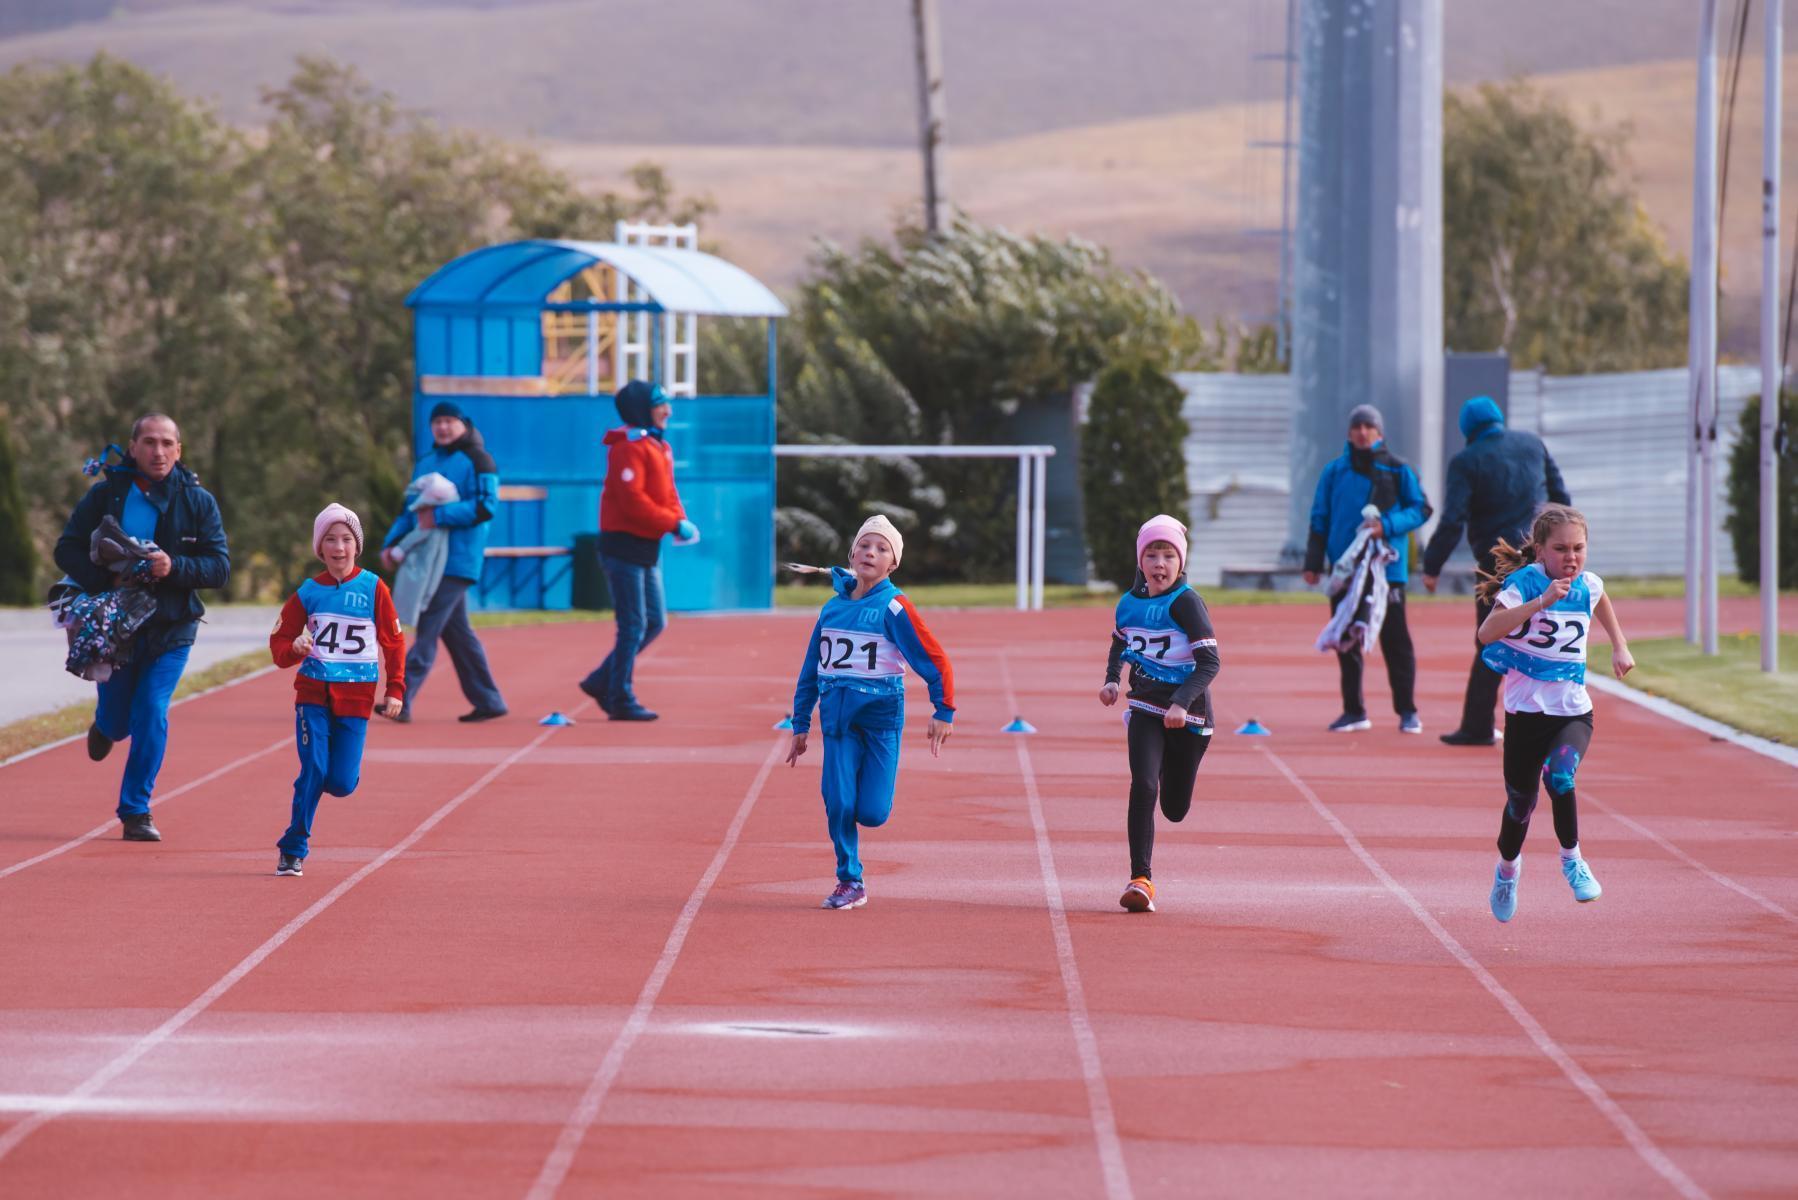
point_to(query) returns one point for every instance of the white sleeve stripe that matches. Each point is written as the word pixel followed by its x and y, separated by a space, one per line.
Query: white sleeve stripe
pixel 894 607
pixel 1204 642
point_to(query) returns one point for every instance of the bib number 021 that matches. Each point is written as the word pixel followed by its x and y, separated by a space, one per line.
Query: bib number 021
pixel 843 654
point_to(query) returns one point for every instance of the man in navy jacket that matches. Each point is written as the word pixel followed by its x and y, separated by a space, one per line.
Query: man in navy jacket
pixel 154 498
pixel 1368 473
pixel 459 455
pixel 1495 487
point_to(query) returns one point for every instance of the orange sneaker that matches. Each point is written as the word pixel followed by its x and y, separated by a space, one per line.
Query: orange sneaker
pixel 1139 896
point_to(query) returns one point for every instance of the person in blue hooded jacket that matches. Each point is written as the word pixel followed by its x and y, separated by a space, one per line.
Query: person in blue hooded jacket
pixel 854 674
pixel 1496 486
pixel 460 456
pixel 1369 473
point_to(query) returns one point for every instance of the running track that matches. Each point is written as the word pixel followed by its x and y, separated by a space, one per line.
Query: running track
pixel 585 961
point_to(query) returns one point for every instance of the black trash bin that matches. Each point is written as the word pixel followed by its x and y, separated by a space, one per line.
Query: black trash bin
pixel 590 590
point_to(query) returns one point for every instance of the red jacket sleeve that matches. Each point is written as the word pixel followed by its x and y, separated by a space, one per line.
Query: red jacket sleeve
pixel 392 639
pixel 640 482
pixel 288 626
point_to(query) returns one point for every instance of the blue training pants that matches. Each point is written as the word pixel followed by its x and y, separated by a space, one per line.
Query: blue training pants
pixel 330 761
pixel 860 768
pixel 134 703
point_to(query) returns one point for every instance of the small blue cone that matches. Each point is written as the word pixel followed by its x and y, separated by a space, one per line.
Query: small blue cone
pixel 1019 725
pixel 1254 728
pixel 555 718
pixel 784 723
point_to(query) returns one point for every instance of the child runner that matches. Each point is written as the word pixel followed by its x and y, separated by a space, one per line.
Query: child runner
pixel 1164 633
pixel 1536 638
pixel 334 628
pixel 855 673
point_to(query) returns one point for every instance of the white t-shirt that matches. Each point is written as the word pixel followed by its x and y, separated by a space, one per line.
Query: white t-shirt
pixel 1552 642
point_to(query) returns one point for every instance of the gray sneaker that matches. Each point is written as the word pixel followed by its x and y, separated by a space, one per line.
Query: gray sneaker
pixel 290 865
pixel 847 895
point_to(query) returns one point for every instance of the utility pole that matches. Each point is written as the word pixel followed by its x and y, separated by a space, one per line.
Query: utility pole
pixel 1701 553
pixel 930 113
pixel 1771 375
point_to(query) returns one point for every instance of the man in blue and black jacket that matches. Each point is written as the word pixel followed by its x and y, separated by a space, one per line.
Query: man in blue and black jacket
pixel 1368 473
pixel 1495 488
pixel 460 456
pixel 155 499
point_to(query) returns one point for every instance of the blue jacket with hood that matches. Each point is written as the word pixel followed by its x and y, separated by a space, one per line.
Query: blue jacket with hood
pixel 465 463
pixel 852 671
pixel 1495 486
pixel 1346 486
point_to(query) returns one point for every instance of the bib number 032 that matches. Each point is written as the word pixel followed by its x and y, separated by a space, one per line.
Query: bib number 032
pixel 1546 633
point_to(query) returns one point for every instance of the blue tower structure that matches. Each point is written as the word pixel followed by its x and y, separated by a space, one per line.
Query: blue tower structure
pixel 532 338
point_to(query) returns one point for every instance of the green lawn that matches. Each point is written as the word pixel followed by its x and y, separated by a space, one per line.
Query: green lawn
pixel 1730 688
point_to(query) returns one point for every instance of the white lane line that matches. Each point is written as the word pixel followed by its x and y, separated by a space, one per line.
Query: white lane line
pixel 1086 1043
pixel 1676 852
pixel 229 683
pixel 98 830
pixel 1643 1145
pixel 1685 716
pixel 9 1141
pixel 574 1131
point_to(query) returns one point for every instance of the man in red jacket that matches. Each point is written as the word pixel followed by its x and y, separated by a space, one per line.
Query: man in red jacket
pixel 637 508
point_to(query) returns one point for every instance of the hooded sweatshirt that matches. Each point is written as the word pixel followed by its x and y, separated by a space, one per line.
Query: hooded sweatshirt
pixel 638 505
pixel 466 464
pixel 854 668
pixel 1495 486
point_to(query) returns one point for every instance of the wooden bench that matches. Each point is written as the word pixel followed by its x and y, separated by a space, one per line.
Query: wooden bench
pixel 512 555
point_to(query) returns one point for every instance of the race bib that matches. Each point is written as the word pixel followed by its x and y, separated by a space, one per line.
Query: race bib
pixel 1560 636
pixel 1162 646
pixel 340 639
pixel 858 653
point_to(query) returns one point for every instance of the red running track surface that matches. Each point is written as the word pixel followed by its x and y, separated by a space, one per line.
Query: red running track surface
pixel 589 960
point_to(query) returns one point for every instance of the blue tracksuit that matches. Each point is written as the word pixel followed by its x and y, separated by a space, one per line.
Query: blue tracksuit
pixel 854 673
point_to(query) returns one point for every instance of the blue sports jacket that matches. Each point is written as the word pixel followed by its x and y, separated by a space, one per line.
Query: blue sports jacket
pixel 1346 486
pixel 1495 486
pixel 854 668
pixel 466 464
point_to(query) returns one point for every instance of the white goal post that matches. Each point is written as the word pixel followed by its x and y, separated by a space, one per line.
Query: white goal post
pixel 1033 478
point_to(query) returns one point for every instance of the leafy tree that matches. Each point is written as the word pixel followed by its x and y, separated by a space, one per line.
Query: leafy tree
pixel 153 257
pixel 1132 462
pixel 1548 253
pixel 1744 495
pixel 939 340
pixel 18 558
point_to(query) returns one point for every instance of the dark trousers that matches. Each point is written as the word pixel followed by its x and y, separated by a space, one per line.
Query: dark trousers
pixel 1164 765
pixel 1395 648
pixel 1541 750
pixel 1482 681
pixel 446 618
pixel 641 615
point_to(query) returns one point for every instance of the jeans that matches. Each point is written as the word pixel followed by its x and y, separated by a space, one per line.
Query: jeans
pixel 134 704
pixel 641 614
pixel 446 617
pixel 330 749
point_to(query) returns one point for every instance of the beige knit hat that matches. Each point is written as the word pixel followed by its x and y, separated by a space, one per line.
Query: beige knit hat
pixel 885 528
pixel 332 515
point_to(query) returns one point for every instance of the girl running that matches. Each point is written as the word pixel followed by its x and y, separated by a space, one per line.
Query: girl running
pixel 1164 632
pixel 854 673
pixel 1536 637
pixel 334 629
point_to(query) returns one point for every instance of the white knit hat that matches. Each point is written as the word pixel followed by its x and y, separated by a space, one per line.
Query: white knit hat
pixel 332 515
pixel 885 528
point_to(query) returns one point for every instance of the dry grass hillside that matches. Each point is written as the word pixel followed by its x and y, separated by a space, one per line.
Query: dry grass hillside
pixel 1175 194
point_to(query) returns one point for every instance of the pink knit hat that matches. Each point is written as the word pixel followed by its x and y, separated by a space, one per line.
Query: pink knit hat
pixel 333 514
pixel 1162 528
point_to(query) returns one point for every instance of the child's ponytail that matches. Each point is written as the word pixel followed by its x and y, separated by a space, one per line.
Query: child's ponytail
pixel 1508 558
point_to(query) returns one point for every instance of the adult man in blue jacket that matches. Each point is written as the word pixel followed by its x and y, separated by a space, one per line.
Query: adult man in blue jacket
pixel 460 456
pixel 1368 473
pixel 154 498
pixel 1495 487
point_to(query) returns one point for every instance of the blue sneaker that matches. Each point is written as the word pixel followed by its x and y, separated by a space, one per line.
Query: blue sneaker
pixel 1504 893
pixel 1579 878
pixel 847 895
pixel 1410 723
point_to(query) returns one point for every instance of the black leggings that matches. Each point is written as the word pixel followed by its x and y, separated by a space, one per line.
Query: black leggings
pixel 1545 749
pixel 1164 763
